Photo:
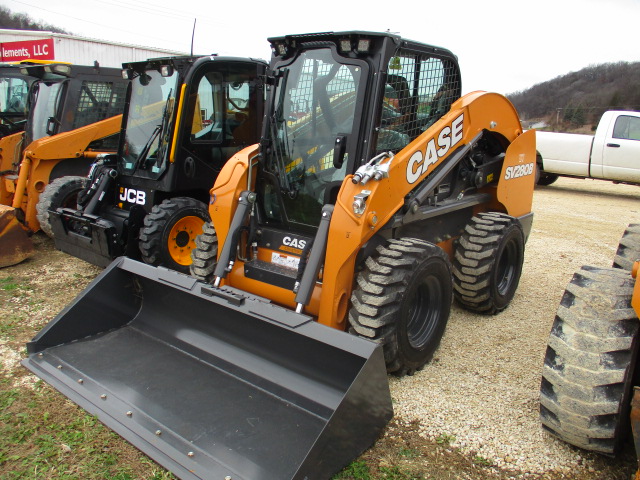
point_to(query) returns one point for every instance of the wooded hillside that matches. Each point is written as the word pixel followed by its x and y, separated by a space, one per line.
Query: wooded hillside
pixel 566 103
pixel 580 98
pixel 22 21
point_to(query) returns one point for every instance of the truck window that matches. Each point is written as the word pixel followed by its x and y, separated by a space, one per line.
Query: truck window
pixel 627 128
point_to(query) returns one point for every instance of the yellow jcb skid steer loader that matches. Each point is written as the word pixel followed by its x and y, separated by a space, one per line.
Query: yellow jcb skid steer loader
pixel 376 192
pixel 74 114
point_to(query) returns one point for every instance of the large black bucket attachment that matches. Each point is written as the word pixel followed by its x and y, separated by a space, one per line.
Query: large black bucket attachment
pixel 214 383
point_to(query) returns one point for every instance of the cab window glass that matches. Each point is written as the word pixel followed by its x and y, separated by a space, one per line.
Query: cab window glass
pixel 208 118
pixel 44 112
pixel 13 95
pixel 627 128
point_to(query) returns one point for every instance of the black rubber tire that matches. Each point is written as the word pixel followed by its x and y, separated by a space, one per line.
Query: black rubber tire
pixel 402 300
pixel 60 193
pixel 589 365
pixel 628 249
pixel 155 234
pixel 488 262
pixel 547 179
pixel 204 257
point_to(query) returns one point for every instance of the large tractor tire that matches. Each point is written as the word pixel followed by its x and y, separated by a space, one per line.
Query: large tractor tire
pixel 588 371
pixel 488 262
pixel 629 248
pixel 60 193
pixel 204 256
pixel 170 230
pixel 402 300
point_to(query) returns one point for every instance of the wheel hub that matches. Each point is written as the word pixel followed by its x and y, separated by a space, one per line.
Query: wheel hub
pixel 425 306
pixel 182 238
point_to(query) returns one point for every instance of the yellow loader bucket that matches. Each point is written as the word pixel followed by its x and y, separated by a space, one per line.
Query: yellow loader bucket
pixel 15 244
pixel 211 382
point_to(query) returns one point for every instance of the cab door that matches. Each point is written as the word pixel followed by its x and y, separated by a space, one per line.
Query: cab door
pixel 621 152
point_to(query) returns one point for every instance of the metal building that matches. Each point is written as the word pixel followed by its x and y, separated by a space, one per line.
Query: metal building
pixel 16 45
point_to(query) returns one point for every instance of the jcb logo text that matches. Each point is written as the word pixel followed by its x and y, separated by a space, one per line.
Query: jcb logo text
pixel 132 196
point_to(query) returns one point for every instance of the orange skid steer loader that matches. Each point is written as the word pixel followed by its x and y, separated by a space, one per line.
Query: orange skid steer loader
pixel 377 194
pixel 74 114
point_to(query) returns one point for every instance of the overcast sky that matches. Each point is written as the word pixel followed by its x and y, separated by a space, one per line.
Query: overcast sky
pixel 502 46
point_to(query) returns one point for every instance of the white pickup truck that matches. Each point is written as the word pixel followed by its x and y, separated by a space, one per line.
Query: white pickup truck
pixel 613 153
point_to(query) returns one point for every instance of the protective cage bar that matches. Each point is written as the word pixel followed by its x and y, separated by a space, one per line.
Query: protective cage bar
pixel 419 90
pixel 98 101
pixel 212 382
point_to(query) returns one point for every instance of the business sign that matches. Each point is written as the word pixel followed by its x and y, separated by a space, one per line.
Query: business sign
pixel 27 50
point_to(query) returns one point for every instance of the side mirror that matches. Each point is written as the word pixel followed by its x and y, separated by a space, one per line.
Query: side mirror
pixel 339 149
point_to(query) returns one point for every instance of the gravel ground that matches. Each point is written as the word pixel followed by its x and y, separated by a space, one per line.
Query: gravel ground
pixel 482 389
pixel 480 394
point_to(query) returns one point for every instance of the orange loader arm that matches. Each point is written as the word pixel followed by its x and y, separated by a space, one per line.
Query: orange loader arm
pixel 41 156
pixel 468 116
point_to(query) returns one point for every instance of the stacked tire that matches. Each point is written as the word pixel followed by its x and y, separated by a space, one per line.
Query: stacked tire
pixel 590 363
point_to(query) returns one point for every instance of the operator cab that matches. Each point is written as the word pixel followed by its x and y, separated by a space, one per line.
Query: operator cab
pixel 336 105
pixel 337 101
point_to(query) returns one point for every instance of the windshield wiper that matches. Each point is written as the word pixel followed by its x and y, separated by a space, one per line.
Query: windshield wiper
pixel 278 114
pixel 279 159
pixel 157 133
pixel 162 134
pixel 142 158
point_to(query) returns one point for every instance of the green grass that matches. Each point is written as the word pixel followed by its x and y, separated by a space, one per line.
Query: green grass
pixel 409 453
pixel 358 470
pixel 63 444
pixel 8 327
pixel 483 462
pixel 445 439
pixel 397 473
pixel 8 284
pixel 14 288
